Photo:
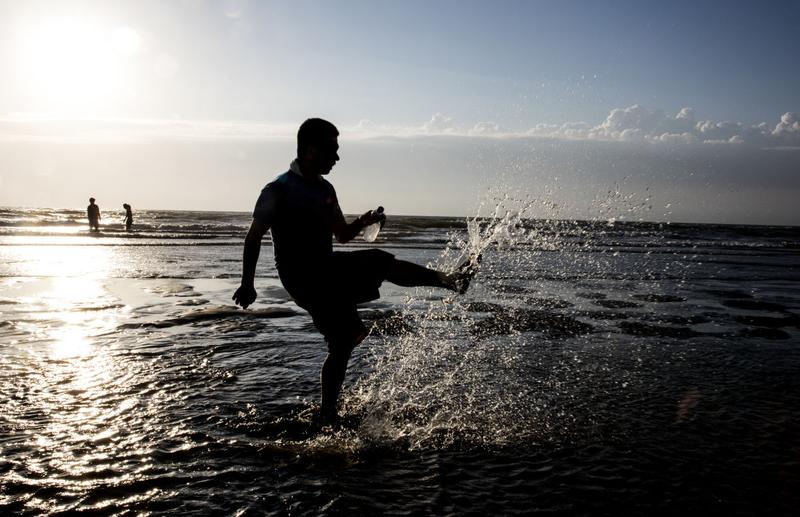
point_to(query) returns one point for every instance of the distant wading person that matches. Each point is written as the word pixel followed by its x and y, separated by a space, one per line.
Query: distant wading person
pixel 93 213
pixel 128 216
pixel 301 209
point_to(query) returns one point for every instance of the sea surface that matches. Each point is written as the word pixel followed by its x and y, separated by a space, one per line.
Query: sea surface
pixel 593 368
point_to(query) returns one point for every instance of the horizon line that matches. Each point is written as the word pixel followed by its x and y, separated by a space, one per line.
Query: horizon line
pixel 611 221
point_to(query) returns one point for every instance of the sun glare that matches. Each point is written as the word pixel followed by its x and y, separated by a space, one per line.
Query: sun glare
pixel 126 40
pixel 74 65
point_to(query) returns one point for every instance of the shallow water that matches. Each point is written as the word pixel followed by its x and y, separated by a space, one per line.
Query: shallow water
pixel 592 368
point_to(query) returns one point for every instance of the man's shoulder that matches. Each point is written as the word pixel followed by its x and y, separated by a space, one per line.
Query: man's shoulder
pixel 280 181
pixel 285 177
pixel 295 181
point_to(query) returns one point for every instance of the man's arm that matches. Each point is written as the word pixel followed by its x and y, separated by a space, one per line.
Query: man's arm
pixel 347 232
pixel 245 295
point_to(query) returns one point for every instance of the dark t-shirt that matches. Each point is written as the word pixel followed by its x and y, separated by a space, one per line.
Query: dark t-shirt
pixel 301 213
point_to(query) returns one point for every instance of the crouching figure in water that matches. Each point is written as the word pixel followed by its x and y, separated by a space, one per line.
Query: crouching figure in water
pixel 128 216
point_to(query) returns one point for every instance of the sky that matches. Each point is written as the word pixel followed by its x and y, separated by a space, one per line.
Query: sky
pixel 662 111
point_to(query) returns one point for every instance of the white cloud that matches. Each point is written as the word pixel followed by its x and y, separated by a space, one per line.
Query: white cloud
pixel 655 126
pixel 485 128
pixel 718 131
pixel 572 130
pixel 678 138
pixel 365 125
pixel 439 124
pixel 639 124
pixel 788 129
pixel 686 114
pixel 634 118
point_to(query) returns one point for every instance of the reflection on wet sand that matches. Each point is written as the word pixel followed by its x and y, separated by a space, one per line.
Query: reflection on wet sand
pixel 65 406
pixel 44 261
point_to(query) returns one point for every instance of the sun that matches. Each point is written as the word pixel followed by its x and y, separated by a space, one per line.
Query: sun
pixel 74 65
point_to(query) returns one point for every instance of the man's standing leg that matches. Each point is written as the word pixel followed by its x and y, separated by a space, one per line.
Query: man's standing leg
pixel 331 379
pixel 343 329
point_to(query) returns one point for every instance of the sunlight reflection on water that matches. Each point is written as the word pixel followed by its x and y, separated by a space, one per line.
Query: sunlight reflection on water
pixel 69 342
pixel 63 306
pixel 74 305
pixel 60 261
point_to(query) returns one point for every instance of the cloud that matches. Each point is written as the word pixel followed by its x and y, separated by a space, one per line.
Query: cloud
pixel 637 123
pixel 788 130
pixel 634 119
pixel 439 124
pixel 485 128
pixel 631 124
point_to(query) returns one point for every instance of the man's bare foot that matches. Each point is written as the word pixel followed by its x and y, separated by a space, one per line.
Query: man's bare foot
pixel 459 280
pixel 327 418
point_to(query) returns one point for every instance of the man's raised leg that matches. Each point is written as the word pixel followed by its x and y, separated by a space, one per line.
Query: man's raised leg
pixel 408 274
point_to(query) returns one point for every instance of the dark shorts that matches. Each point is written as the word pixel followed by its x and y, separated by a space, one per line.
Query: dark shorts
pixel 331 291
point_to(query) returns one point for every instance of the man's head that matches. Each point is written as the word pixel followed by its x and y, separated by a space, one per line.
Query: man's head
pixel 317 146
pixel 91 200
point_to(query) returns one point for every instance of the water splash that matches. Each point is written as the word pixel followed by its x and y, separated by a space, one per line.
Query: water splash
pixel 520 357
pixel 445 383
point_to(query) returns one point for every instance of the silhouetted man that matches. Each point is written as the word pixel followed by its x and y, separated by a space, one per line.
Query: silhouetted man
pixel 93 213
pixel 301 209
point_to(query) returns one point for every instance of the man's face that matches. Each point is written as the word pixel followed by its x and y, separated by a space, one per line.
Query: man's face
pixel 325 155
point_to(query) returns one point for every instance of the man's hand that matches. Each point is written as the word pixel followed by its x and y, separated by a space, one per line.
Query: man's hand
pixel 370 217
pixel 345 232
pixel 244 296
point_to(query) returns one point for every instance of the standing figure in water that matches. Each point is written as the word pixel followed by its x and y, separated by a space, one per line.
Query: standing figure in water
pixel 93 213
pixel 128 216
pixel 302 211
